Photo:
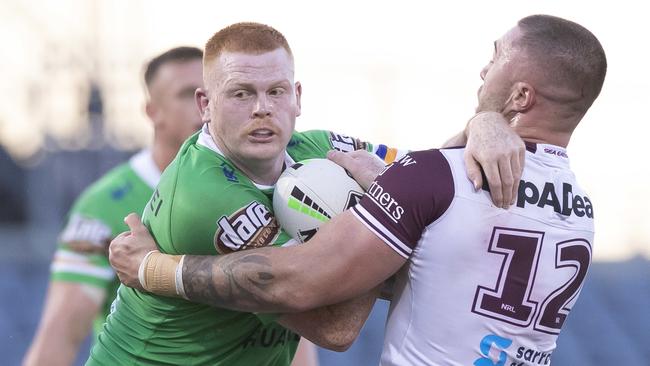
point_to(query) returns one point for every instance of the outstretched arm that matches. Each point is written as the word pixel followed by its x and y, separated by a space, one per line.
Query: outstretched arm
pixel 343 260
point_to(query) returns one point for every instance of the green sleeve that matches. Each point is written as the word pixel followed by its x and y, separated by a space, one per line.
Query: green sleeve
pixel 315 144
pixel 95 218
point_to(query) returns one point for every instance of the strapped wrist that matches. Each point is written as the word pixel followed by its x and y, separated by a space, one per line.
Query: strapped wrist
pixel 161 274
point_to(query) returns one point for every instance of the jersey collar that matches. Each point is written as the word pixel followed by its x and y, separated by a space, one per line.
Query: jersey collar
pixel 205 139
pixel 144 167
pixel 552 153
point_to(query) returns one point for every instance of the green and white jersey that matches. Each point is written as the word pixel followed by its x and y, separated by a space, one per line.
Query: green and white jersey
pixel 204 205
pixel 95 218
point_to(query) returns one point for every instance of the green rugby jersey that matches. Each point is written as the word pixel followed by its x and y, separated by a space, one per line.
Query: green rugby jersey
pixel 204 205
pixel 95 218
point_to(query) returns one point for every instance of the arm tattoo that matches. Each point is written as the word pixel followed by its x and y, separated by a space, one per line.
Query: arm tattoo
pixel 234 281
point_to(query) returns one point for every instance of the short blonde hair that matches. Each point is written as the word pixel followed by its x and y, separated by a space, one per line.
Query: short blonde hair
pixel 245 37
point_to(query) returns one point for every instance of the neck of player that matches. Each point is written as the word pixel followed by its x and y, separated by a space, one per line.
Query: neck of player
pixel 163 152
pixel 538 129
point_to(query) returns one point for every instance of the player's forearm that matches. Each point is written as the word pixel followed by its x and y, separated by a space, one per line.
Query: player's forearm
pixel 66 321
pixel 51 352
pixel 244 281
pixel 326 270
pixel 334 327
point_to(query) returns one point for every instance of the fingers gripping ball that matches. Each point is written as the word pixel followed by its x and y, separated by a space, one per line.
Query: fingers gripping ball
pixel 310 193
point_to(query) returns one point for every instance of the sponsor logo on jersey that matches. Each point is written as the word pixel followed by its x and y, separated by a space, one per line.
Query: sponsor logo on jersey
pixel 253 226
pixel 385 169
pixel 385 201
pixel 406 160
pixel 86 235
pixel 532 357
pixel 556 152
pixel 270 337
pixel 493 348
pixel 569 204
pixel 499 344
pixel 346 143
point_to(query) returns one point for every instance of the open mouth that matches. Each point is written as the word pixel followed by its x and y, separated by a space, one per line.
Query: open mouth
pixel 262 134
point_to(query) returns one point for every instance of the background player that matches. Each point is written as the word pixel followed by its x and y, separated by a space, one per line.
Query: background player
pixel 83 284
pixel 482 285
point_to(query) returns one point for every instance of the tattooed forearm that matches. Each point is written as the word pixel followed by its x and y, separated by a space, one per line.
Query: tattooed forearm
pixel 238 281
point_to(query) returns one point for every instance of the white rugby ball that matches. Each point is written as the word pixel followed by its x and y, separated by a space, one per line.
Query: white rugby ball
pixel 310 193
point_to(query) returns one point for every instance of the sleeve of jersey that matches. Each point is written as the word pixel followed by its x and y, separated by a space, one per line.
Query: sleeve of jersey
pixel 344 143
pixel 80 256
pixel 409 195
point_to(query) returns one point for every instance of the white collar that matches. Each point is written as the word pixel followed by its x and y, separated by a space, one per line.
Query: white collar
pixel 205 139
pixel 552 153
pixel 144 167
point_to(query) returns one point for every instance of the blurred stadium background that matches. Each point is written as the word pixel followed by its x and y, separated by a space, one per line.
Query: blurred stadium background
pixel 401 73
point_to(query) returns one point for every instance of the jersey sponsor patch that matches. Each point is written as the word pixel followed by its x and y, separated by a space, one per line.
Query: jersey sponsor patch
pixel 84 234
pixel 346 143
pixel 569 203
pixel 383 200
pixel 252 226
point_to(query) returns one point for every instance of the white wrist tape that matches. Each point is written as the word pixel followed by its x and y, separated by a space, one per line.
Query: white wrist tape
pixel 180 289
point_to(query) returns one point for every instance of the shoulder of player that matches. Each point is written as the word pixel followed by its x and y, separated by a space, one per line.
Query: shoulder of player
pixel 418 176
pixel 206 185
pixel 309 144
pixel 111 188
pixel 425 165
pixel 202 172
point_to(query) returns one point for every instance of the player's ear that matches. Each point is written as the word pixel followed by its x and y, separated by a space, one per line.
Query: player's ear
pixel 522 97
pixel 203 103
pixel 153 112
pixel 298 95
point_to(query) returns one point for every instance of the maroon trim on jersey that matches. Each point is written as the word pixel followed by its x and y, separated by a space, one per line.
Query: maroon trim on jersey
pixel 363 215
pixel 531 146
pixel 408 196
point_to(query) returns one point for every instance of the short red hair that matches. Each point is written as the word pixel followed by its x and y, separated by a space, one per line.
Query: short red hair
pixel 245 37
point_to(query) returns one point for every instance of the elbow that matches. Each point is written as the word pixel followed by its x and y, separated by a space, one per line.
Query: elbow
pixel 339 342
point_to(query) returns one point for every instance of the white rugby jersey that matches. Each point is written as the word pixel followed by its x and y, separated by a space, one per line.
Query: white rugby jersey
pixel 482 285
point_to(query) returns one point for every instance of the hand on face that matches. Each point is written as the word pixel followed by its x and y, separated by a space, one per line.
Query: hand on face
pixel 363 165
pixel 128 249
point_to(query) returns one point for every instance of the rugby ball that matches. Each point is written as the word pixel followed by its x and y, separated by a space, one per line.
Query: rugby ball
pixel 310 193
